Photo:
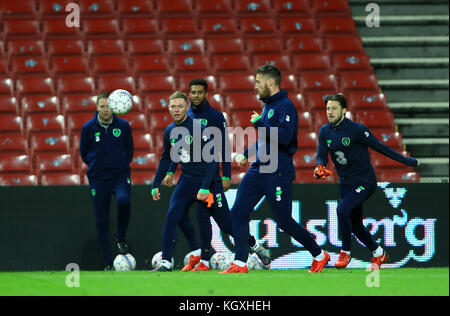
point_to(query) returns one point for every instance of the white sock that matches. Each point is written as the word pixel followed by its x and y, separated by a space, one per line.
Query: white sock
pixel 196 253
pixel 206 263
pixel 166 264
pixel 378 252
pixel 320 256
pixel 240 263
pixel 347 252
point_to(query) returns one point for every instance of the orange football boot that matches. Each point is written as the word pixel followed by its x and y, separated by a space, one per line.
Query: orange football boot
pixel 234 268
pixel 193 260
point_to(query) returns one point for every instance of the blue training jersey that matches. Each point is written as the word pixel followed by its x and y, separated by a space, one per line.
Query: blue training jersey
pixel 182 148
pixel 348 144
pixel 280 113
pixel 108 152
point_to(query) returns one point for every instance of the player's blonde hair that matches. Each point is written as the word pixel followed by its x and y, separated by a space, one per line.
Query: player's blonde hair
pixel 179 95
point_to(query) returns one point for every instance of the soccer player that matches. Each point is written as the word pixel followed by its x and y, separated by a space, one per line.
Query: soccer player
pixel 279 114
pixel 106 146
pixel 200 180
pixel 348 142
pixel 208 116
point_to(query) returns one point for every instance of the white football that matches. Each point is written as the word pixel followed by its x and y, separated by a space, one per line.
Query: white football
pixel 254 263
pixel 221 260
pixel 124 262
pixel 120 101
pixel 157 258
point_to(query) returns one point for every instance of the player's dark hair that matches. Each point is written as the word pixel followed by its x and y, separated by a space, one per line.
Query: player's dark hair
pixel 270 71
pixel 198 82
pixel 336 97
pixel 103 95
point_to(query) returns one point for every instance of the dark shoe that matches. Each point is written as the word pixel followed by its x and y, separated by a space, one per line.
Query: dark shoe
pixel 263 255
pixel 122 246
pixel 109 267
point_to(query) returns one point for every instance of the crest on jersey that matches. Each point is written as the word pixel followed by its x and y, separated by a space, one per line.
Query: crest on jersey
pixel 270 114
pixel 346 141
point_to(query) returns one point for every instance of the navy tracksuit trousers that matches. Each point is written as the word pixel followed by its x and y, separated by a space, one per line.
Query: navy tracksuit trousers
pixel 101 192
pixel 278 191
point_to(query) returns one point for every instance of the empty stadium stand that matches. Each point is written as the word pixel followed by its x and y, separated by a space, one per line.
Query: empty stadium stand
pixel 50 74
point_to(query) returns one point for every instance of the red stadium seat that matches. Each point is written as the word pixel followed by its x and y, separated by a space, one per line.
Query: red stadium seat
pixel 224 63
pixel 15 9
pixel 376 119
pixel 18 179
pixel 366 100
pixel 21 28
pixel 354 81
pixel 13 143
pixel 350 62
pixel 79 103
pixel 143 142
pixel 241 118
pixel 135 8
pixel 179 26
pixel 141 46
pixel 43 123
pixel 109 64
pixel 61 47
pixel 109 82
pixel 304 44
pixel 390 139
pixel 343 44
pixel 54 162
pixel 100 28
pixel 156 102
pixel 190 63
pixel 398 176
pixel 185 46
pixel 211 7
pixel 317 81
pixel 305 121
pixel 39 104
pixel 49 142
pixel 62 65
pixel 133 27
pixel 288 7
pixel 10 163
pixel 4 67
pixel 143 161
pixel 72 84
pixel 60 179
pixel 29 65
pixel 311 62
pixel 9 104
pixel 225 45
pixel 34 85
pixel 156 82
pixel 159 121
pixel 97 8
pixel 280 61
pixel 218 26
pixel 382 162
pixel 258 26
pixel 307 140
pixel 52 9
pixel 11 123
pixel 315 100
pixel 26 47
pixel 137 121
pixel 332 8
pixel 56 28
pixel 105 47
pixel 299 101
pixel 217 101
pixel 297 26
pixel 182 7
pixel 75 122
pixel 239 101
pixel 253 7
pixel 337 26
pixel 6 86
pixel 184 79
pixel 305 158
pixel 237 82
pixel 264 45
pixel 150 63
pixel 142 177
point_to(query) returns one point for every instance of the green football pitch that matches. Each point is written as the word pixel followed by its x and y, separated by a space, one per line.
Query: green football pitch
pixel 402 282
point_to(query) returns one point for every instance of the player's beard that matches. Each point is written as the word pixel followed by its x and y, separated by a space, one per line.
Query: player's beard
pixel 265 93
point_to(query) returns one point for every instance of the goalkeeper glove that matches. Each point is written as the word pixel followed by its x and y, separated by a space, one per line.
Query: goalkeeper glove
pixel 209 200
pixel 321 172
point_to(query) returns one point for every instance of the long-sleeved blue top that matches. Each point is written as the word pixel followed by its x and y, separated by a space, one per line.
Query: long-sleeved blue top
pixel 107 151
pixel 185 143
pixel 348 144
